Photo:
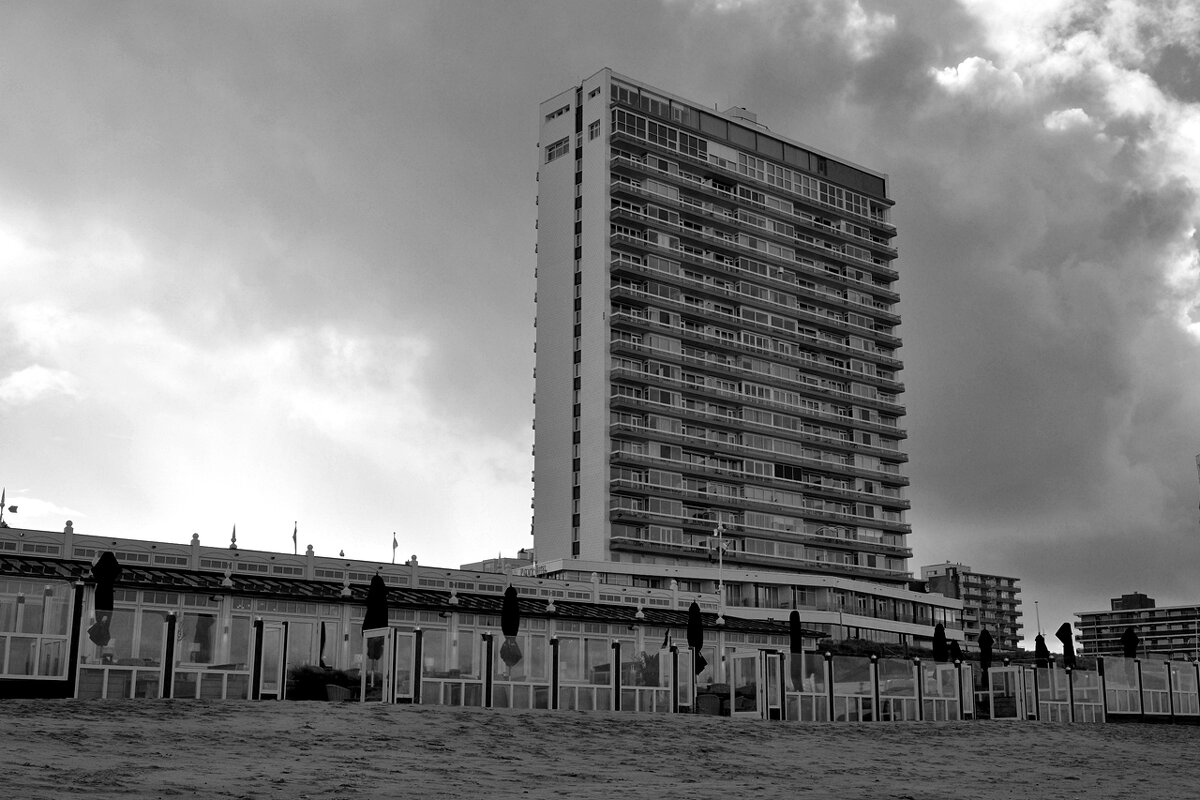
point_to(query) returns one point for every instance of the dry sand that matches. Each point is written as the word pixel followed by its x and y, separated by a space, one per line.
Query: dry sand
pixel 153 749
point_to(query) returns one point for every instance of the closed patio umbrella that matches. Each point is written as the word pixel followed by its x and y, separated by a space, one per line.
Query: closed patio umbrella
pixel 985 651
pixel 941 650
pixel 1129 642
pixel 106 570
pixel 1041 654
pixel 1065 636
pixel 956 653
pixel 695 636
pixel 796 649
pixel 510 624
pixel 377 614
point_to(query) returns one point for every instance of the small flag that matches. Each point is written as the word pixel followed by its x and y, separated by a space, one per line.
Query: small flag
pixel 13 509
pixel 295 525
pixel 666 645
pixel 395 544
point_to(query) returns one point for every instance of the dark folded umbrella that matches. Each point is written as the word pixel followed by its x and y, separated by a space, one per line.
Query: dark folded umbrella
pixel 377 614
pixel 510 624
pixel 985 650
pixel 956 652
pixel 695 635
pixel 106 571
pixel 1129 642
pixel 322 658
pixel 796 661
pixel 1064 635
pixel 1041 654
pixel 941 650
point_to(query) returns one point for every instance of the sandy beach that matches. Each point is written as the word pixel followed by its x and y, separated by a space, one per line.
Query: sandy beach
pixel 160 749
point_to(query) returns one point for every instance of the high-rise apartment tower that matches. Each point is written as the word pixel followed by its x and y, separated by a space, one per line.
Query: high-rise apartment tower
pixel 716 343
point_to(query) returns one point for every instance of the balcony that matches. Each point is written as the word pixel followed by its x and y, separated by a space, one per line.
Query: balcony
pixel 737 346
pixel 643 377
pixel 621 345
pixel 825 248
pixel 731 173
pixel 642 431
pixel 825 517
pixel 746 252
pixel 627 401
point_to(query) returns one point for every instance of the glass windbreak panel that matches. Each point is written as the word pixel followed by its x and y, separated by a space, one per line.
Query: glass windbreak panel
pixel 435 643
pixel 570 659
pixel 8 612
pixel 404 664
pixel 375 663
pixel 271 659
pixel 327 643
pixel 1154 688
pixel 773 663
pixel 896 677
pixel 119 649
pixel 197 637
pixel 119 684
pixel 938 680
pixel 1120 673
pixel 57 618
pixel 806 673
pixel 147 685
pixel 537 656
pixel 53 658
pixel 597 661
pixel 1184 683
pixel 852 675
pixel 643 669
pixel 355 643
pixel 1052 685
pixel 685 685
pixel 466 645
pixel 1087 686
pixel 301 643
pixel 20 655
pixel 240 632
pixel 744 682
pixel 153 634
pixel 31 614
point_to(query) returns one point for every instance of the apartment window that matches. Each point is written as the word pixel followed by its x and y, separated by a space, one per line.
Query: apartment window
pixel 558 112
pixel 558 149
pixel 593 130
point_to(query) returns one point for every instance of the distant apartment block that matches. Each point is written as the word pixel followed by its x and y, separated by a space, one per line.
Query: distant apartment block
pixel 1164 632
pixel 989 601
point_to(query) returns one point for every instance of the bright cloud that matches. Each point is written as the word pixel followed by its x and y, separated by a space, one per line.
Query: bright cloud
pixel 980 80
pixel 36 383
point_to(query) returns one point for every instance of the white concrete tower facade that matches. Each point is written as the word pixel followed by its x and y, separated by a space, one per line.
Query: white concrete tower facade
pixel 716 343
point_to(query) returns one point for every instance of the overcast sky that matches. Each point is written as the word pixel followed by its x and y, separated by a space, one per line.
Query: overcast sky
pixel 273 262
